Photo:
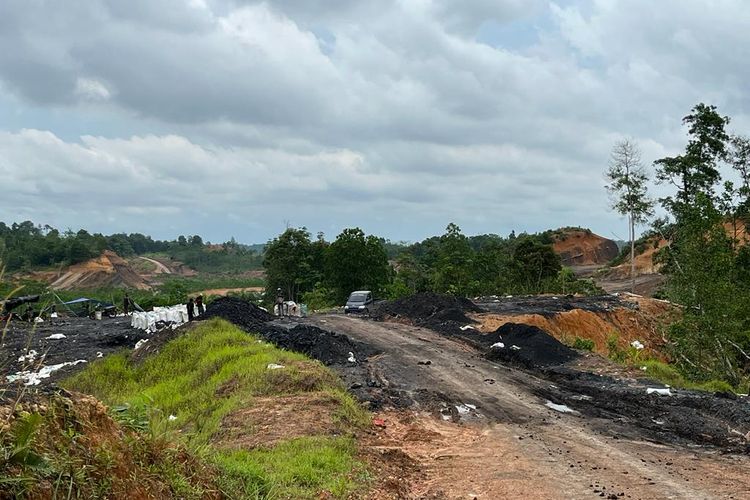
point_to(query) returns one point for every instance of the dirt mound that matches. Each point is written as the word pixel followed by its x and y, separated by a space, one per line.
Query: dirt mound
pixel 625 319
pixel 422 307
pixel 644 261
pixel 527 345
pixel 107 270
pixel 580 247
pixel 240 312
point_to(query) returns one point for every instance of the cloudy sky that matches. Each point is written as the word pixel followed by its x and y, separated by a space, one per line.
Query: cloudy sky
pixel 237 117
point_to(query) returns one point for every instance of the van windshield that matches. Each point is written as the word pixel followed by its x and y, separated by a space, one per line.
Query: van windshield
pixel 358 297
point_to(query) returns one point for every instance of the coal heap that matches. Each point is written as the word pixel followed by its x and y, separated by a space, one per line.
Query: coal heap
pixel 238 311
pixel 423 307
pixel 328 347
pixel 534 348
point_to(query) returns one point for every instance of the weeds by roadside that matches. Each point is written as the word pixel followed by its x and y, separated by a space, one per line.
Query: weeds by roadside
pixel 202 377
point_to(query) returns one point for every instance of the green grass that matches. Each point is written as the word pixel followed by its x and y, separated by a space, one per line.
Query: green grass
pixel 294 468
pixel 669 375
pixel 188 379
pixel 583 344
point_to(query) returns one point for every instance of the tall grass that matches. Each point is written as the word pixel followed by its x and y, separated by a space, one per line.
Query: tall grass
pixel 189 378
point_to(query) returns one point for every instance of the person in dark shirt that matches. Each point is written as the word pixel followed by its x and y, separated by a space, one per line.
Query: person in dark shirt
pixel 126 304
pixel 199 304
pixel 190 308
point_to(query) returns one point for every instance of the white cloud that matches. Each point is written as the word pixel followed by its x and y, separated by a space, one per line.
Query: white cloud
pixel 339 113
pixel 91 89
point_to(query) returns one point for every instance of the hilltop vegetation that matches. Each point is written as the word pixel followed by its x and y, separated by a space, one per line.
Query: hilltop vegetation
pixel 25 246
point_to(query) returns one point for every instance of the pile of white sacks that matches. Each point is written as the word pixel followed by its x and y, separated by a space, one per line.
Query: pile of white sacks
pixel 174 316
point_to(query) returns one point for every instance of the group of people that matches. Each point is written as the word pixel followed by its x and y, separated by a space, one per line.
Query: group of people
pixel 193 305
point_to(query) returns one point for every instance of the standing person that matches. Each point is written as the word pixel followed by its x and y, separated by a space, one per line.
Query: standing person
pixel 190 308
pixel 199 304
pixel 126 304
pixel 280 301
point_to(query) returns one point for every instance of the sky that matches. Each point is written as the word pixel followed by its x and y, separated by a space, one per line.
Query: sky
pixel 238 118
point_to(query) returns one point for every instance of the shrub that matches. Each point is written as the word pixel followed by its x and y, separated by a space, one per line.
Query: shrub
pixel 583 344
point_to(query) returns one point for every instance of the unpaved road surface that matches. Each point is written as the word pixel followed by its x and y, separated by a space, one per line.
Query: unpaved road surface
pixel 512 445
pixel 160 268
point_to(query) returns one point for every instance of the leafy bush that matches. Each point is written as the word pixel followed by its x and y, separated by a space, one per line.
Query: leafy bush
pixel 583 344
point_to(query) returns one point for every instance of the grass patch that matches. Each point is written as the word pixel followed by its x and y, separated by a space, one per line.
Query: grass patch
pixel 669 375
pixel 215 369
pixel 583 344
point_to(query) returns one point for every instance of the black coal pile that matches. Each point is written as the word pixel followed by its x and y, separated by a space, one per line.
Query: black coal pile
pixel 423 306
pixel 328 347
pixel 238 311
pixel 526 345
pixel 445 314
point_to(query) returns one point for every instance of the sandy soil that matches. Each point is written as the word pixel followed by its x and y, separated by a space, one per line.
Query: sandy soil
pixel 160 268
pixel 512 445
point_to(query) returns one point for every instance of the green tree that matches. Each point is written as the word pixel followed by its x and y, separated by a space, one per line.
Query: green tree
pixel 705 270
pixel 697 170
pixel 355 261
pixel 453 263
pixel 535 262
pixel 627 184
pixel 288 263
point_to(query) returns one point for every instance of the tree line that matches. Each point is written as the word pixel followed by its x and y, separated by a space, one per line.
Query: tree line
pixel 25 246
pixel 707 260
pixel 323 273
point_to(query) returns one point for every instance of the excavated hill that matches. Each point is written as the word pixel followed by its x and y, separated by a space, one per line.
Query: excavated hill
pixel 581 247
pixel 644 260
pixel 109 269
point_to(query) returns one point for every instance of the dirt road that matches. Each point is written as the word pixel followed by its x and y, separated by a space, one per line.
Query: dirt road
pixel 476 429
pixel 160 268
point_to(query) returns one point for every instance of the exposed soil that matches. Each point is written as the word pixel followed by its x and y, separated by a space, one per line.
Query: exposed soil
pixel 107 270
pixel 498 438
pixel 271 420
pixel 581 247
pixel 628 317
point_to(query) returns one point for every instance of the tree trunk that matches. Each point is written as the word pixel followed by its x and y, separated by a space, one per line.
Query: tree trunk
pixel 632 254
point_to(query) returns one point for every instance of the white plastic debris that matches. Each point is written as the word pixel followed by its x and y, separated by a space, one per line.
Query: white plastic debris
pixel 172 418
pixel 660 392
pixel 466 327
pixel 637 344
pixel 139 344
pixel 56 336
pixel 53 315
pixel 274 366
pixel 463 409
pixel 581 397
pixel 497 345
pixel 28 357
pixel 38 320
pixel 35 378
pixel 560 408
pixel 644 368
pixel 99 354
pixel 515 347
pixel 351 358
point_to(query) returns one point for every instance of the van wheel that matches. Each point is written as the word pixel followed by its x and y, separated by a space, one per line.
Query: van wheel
pixel 367 311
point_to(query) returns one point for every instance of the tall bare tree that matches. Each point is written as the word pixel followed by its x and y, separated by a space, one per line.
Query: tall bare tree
pixel 628 187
